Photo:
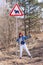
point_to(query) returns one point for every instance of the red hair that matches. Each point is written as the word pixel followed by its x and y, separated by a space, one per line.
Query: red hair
pixel 20 34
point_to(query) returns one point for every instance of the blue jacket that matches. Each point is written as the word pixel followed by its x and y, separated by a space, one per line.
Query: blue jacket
pixel 22 39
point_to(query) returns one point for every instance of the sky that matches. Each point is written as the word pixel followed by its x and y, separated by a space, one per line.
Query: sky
pixel 2 2
pixel 40 0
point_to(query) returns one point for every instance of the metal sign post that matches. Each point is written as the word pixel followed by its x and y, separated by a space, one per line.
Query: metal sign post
pixel 16 34
pixel 16 28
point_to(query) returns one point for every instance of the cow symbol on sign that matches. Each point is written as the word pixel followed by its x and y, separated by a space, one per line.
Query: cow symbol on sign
pixel 16 11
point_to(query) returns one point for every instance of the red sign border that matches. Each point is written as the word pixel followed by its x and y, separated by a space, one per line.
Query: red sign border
pixel 19 10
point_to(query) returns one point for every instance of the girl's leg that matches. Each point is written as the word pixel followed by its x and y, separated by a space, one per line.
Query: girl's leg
pixel 21 49
pixel 25 47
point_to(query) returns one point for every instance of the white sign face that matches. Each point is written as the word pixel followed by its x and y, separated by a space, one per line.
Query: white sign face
pixel 40 1
pixel 16 11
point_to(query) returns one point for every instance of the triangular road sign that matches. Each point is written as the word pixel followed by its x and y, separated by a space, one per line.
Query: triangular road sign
pixel 16 11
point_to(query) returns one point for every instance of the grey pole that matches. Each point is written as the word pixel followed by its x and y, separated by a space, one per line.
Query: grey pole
pixel 16 35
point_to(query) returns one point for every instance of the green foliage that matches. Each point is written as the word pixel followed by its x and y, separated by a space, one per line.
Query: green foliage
pixel 31 17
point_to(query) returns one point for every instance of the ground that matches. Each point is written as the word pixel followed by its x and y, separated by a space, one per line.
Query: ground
pixel 9 57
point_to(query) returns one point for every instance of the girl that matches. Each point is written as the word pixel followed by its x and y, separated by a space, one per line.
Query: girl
pixel 21 41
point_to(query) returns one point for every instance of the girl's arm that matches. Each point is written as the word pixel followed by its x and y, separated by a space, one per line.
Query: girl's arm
pixel 27 37
pixel 17 40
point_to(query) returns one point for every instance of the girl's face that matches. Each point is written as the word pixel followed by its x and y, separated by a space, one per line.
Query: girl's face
pixel 20 35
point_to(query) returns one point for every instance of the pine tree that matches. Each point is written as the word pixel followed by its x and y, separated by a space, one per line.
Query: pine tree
pixel 31 13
